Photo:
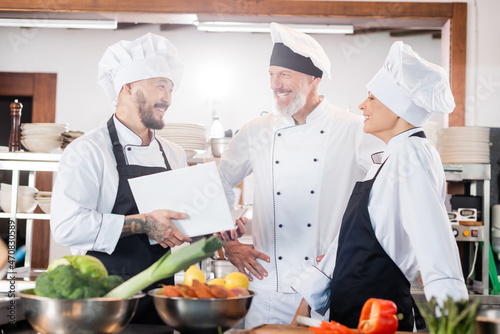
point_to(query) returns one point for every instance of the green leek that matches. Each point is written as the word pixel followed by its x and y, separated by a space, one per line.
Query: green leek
pixel 167 266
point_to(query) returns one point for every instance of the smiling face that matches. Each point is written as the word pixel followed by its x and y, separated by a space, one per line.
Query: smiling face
pixel 291 89
pixel 153 98
pixel 380 121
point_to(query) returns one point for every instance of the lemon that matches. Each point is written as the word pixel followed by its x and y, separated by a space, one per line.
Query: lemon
pixel 193 273
pixel 236 279
pixel 218 281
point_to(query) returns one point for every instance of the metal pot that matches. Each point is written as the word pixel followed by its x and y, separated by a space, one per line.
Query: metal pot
pixel 221 268
pixel 219 145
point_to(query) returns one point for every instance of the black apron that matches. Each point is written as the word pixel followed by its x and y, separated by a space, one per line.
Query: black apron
pixel 363 269
pixel 133 253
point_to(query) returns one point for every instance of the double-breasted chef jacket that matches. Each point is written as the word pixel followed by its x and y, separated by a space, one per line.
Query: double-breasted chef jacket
pixel 303 175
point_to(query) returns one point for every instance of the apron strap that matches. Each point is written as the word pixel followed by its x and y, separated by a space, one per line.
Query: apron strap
pixel 420 134
pixel 117 147
pixel 167 165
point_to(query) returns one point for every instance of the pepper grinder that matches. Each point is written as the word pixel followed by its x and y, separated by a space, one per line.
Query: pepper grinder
pixel 15 118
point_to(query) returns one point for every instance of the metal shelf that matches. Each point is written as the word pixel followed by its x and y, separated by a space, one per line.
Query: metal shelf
pixel 38 216
pixel 475 173
pixel 32 163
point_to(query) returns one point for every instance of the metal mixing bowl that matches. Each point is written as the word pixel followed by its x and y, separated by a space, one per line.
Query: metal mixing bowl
pixel 201 315
pixel 92 315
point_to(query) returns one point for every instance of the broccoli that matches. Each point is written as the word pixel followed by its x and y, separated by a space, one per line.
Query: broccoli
pixel 65 281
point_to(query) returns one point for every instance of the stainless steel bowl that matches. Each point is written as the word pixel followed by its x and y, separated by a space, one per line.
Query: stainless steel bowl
pixel 219 145
pixel 201 315
pixel 488 321
pixel 93 315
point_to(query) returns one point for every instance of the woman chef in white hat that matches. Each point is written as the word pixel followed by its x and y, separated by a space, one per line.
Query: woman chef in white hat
pixel 396 222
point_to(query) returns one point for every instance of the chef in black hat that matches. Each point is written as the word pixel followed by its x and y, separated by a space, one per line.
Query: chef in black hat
pixel 305 157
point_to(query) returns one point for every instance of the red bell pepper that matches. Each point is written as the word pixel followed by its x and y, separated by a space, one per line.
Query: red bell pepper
pixel 331 327
pixel 378 316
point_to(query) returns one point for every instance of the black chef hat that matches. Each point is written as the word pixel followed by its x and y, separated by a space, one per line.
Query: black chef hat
pixel 283 56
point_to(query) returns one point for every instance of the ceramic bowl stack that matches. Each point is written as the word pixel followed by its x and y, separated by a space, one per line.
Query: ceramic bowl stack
pixel 42 137
pixel 26 202
pixel 43 199
pixel 68 137
pixel 465 145
pixel 191 137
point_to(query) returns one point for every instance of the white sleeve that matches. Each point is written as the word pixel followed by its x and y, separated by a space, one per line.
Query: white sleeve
pixel 421 192
pixel 313 284
pixel 235 163
pixel 75 220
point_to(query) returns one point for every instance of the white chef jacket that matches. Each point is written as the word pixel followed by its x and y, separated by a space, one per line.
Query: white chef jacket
pixel 303 175
pixel 410 221
pixel 86 185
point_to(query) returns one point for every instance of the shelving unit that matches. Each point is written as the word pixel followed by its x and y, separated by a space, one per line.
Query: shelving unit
pixel 475 173
pixel 32 163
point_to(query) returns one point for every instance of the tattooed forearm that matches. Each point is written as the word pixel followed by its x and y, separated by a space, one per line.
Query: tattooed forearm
pixel 150 226
pixel 133 226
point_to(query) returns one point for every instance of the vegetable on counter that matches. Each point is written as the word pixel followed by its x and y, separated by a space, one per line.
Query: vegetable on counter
pixel 76 277
pixel 378 316
pixel 167 266
pixel 87 264
pixel 331 327
pixel 200 290
pixel 84 276
pixel 451 317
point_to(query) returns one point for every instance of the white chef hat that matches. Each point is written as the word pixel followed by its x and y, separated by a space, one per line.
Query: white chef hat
pixel 298 51
pixel 412 87
pixel 149 56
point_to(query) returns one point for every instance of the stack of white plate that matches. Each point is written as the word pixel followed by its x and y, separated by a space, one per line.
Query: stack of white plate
pixel 69 136
pixel 465 144
pixel 42 137
pixel 43 199
pixel 191 137
pixel 26 202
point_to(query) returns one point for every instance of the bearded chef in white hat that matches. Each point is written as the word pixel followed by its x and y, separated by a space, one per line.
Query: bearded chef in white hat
pixel 396 222
pixel 305 158
pixel 93 210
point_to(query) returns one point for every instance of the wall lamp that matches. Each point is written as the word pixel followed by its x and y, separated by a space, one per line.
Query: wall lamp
pixel 52 23
pixel 264 27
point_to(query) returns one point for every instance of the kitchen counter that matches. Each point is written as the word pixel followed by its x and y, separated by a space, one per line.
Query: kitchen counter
pixel 23 327
pixel 284 329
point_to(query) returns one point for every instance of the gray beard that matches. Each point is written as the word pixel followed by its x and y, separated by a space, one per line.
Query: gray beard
pixel 298 102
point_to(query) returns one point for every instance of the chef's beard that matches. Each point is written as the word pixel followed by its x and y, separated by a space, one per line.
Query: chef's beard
pixel 297 103
pixel 147 113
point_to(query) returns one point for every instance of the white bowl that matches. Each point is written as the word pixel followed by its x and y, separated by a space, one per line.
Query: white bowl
pixel 56 136
pixel 24 204
pixel 21 190
pixel 42 131
pixel 44 126
pixel 44 205
pixel 41 145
